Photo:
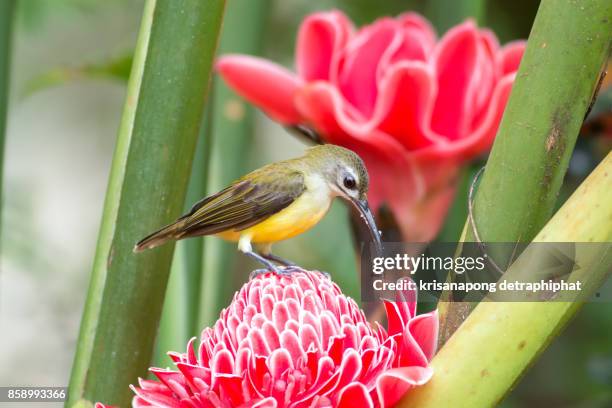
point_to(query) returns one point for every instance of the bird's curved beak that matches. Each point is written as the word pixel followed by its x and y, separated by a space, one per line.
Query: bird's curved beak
pixel 366 215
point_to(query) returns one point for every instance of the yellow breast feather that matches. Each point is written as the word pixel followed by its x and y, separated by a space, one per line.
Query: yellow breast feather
pixel 301 215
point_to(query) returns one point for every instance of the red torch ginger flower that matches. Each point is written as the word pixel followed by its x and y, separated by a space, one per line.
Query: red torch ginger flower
pixel 297 341
pixel 413 107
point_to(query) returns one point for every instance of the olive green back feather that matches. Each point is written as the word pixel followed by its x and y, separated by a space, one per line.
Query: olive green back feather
pixel 246 202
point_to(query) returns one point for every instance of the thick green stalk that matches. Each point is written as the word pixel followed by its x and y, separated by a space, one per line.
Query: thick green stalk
pixel 488 354
pixel 151 165
pixel 7 11
pixel 232 129
pixel 567 48
pixel 444 14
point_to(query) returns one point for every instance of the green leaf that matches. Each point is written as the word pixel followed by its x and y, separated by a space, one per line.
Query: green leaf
pixel 157 138
pixel 115 69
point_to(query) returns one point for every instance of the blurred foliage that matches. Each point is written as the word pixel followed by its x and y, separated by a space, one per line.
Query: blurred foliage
pixel 19 226
pixel 444 14
pixel 117 68
pixel 34 14
pixel 7 10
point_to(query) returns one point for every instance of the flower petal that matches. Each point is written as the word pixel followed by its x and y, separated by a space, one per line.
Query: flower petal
pixel 424 330
pixel 485 76
pixel 350 368
pixel 410 353
pixel 322 106
pixel 359 70
pixel 156 399
pixel 406 301
pixel 320 41
pixel 279 362
pixel 266 403
pixel 395 322
pixel 355 395
pixel 419 38
pixel 230 389
pixel 393 384
pixel 481 138
pixel 455 58
pixel 267 85
pixel 511 55
pixel 427 189
pixel 223 363
pixel 405 104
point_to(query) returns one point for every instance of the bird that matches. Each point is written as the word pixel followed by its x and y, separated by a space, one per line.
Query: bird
pixel 276 202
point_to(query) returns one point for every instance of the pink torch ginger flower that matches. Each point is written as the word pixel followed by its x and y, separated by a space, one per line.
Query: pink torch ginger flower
pixel 297 341
pixel 413 107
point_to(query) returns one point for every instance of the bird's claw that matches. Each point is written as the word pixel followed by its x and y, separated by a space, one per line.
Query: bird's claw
pixel 279 271
pixel 258 272
pixel 290 269
pixel 326 274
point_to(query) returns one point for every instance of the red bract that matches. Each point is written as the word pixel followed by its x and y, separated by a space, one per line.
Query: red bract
pixel 413 107
pixel 297 341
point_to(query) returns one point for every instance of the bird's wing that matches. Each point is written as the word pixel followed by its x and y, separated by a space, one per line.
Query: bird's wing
pixel 245 203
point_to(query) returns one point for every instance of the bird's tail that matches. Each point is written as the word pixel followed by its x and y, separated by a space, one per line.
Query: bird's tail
pixel 167 233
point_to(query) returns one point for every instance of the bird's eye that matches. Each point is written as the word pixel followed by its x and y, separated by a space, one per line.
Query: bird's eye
pixel 349 182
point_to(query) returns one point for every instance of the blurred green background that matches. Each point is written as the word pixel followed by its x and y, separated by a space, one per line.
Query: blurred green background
pixel 69 65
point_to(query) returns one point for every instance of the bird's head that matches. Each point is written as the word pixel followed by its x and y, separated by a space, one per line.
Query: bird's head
pixel 342 169
pixel 346 177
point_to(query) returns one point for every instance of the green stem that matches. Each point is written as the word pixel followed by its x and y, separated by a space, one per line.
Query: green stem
pixel 7 10
pixel 232 129
pixel 499 341
pixel 567 48
pixel 445 14
pixel 151 165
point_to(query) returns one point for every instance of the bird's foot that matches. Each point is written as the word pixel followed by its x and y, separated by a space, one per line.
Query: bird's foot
pixel 290 269
pixel 278 271
pixel 269 266
pixel 259 272
pixel 279 260
pixel 326 274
